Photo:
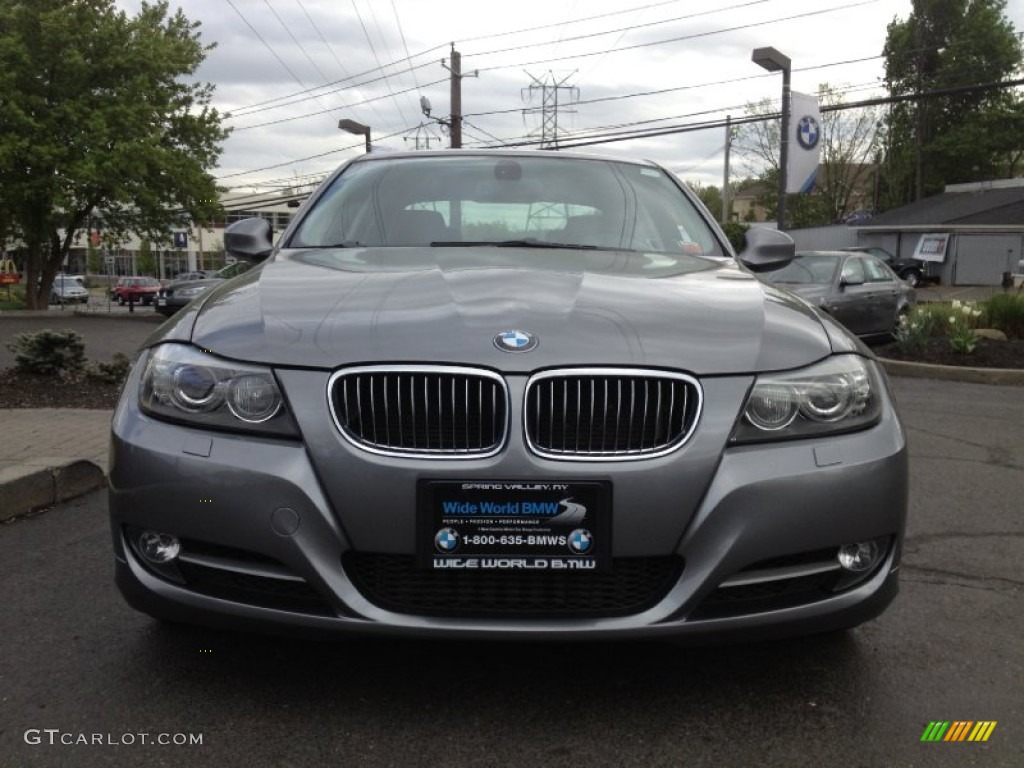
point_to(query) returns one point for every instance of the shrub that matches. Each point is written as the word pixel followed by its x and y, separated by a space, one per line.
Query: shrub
pixel 113 372
pixel 1005 311
pixel 48 352
pixel 737 234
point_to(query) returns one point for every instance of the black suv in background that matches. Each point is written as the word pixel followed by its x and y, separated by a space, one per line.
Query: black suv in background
pixel 913 271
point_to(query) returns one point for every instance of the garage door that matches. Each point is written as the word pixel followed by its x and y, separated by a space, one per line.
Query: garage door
pixel 982 259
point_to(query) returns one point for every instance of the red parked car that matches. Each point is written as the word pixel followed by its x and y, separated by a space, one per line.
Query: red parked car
pixel 140 290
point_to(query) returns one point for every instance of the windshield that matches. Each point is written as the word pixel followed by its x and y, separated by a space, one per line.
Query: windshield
pixel 516 201
pixel 806 268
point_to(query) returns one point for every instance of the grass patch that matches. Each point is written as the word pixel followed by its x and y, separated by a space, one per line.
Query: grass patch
pixel 12 297
pixel 1005 311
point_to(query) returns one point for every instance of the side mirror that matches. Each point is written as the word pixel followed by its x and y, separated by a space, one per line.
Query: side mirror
pixel 845 281
pixel 249 239
pixel 767 249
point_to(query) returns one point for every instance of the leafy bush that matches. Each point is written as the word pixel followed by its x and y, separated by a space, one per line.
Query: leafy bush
pixel 48 352
pixel 737 234
pixel 1005 311
pixel 113 372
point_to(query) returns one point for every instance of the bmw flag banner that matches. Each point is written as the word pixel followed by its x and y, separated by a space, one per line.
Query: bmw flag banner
pixel 804 143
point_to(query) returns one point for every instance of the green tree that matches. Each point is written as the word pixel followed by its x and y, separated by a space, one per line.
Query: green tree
pixel 93 259
pixel 967 135
pixel 710 195
pixel 144 262
pixel 99 118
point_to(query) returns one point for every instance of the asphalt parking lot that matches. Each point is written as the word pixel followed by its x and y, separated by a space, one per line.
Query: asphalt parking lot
pixel 76 660
pixel 103 335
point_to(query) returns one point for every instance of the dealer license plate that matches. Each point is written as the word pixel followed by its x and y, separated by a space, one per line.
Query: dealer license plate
pixel 515 525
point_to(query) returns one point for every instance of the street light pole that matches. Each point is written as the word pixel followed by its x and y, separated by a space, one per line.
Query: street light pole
pixel 351 126
pixel 773 61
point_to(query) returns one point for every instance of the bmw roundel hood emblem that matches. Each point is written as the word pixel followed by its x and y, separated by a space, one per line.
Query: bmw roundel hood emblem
pixel 515 341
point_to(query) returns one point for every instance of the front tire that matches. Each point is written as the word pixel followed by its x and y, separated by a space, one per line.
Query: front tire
pixel 912 278
pixel 120 300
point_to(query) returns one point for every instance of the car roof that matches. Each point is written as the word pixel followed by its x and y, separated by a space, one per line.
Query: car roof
pixel 497 153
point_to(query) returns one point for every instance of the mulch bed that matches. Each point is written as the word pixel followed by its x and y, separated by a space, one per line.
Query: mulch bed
pixel 988 354
pixel 23 390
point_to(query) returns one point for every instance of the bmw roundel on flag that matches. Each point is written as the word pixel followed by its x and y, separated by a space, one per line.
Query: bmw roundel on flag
pixel 804 143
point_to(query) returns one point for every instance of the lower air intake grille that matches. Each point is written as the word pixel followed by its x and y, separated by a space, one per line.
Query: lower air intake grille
pixel 395 583
pixel 421 410
pixel 609 413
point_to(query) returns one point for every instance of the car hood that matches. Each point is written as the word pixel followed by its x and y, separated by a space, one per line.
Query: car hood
pixel 332 308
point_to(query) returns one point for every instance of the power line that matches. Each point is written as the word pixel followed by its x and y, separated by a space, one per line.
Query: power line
pixel 408 58
pixel 330 49
pixel 266 44
pixel 677 88
pixel 589 35
pixel 373 50
pixel 405 46
pixel 261 106
pixel 391 95
pixel 317 156
pixel 759 118
pixel 681 38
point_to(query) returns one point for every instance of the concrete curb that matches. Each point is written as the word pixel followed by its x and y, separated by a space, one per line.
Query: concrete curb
pixel 1005 377
pixel 26 488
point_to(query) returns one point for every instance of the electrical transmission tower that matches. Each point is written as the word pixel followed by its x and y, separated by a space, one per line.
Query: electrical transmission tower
pixel 550 104
pixel 422 138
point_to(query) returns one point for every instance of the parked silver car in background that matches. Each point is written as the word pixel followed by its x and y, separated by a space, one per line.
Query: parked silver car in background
pixel 857 289
pixel 69 289
pixel 510 395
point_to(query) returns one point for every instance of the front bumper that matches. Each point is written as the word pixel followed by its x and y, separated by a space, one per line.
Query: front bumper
pixel 268 550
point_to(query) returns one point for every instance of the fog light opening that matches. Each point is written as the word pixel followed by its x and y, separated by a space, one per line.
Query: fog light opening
pixel 859 557
pixel 159 548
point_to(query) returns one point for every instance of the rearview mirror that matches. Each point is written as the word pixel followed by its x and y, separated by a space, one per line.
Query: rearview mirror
pixel 249 239
pixel 767 249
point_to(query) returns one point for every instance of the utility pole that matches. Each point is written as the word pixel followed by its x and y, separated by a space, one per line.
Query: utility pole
pixel 550 106
pixel 725 175
pixel 455 126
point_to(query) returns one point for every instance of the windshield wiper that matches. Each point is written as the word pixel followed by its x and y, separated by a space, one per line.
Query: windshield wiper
pixel 342 244
pixel 527 242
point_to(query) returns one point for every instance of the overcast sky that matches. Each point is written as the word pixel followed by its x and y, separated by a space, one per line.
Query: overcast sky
pixel 288 70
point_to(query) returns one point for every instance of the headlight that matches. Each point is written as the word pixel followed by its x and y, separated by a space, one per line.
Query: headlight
pixel 840 394
pixel 185 384
pixel 191 291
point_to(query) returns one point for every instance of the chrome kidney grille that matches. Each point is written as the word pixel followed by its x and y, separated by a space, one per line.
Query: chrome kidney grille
pixel 583 414
pixel 609 413
pixel 438 411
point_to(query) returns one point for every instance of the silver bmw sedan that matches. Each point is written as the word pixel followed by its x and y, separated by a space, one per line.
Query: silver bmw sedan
pixel 507 394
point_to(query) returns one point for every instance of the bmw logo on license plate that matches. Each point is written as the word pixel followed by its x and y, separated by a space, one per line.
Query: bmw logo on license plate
pixel 515 341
